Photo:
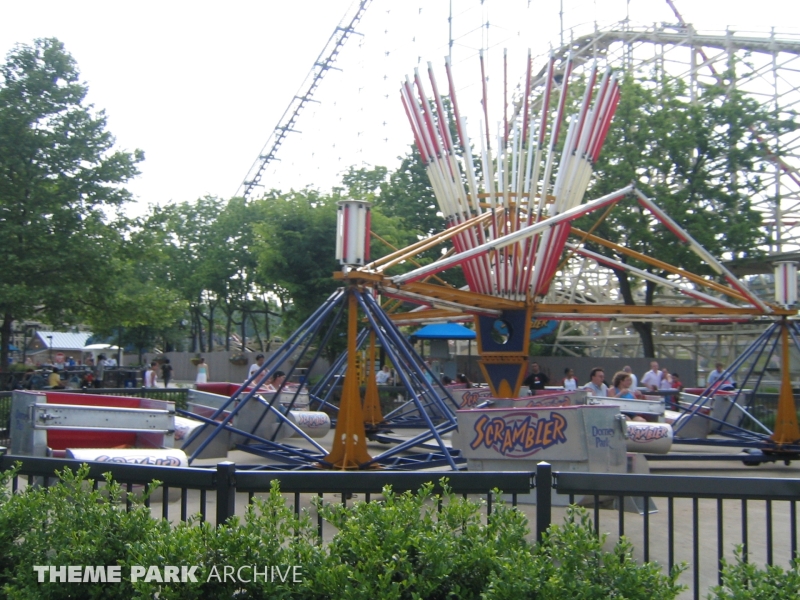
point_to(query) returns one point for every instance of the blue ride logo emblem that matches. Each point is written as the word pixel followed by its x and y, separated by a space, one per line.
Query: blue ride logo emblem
pixel 519 436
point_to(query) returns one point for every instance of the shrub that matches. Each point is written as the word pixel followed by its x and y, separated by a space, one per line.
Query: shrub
pixel 576 566
pixel 405 546
pixel 68 524
pixel 416 545
pixel 426 546
pixel 745 581
pixel 270 534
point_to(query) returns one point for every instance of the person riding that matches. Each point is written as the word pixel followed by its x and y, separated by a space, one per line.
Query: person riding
pixel 596 385
pixel 622 385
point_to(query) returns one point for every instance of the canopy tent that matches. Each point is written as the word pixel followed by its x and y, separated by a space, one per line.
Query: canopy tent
pixel 92 347
pixel 443 331
pixel 439 334
pixel 97 349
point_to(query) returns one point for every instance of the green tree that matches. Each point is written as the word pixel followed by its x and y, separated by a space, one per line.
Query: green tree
pixel 231 265
pixel 139 311
pixel 699 160
pixel 408 195
pixel 59 179
pixel 296 250
pixel 184 251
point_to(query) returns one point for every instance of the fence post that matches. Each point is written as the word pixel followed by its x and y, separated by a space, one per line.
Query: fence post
pixel 226 491
pixel 544 485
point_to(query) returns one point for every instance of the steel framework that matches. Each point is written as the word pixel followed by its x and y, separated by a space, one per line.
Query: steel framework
pixel 765 66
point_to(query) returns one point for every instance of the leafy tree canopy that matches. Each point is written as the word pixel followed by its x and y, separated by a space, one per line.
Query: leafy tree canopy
pixel 60 177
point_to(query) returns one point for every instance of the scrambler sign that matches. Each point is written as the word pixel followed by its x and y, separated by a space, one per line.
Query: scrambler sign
pixel 574 434
pixel 519 436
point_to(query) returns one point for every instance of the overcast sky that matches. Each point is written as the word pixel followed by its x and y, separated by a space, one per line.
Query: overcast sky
pixel 199 86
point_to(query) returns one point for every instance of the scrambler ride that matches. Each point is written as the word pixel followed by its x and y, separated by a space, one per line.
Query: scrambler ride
pixel 510 230
pixel 510 227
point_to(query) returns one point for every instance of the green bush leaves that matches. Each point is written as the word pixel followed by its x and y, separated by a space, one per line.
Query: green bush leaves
pixel 742 580
pixel 410 545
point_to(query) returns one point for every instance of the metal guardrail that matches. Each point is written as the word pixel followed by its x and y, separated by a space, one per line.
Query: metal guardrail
pixel 645 488
pixel 225 481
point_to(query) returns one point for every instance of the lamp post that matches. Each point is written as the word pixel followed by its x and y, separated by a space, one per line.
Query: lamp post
pixel 50 347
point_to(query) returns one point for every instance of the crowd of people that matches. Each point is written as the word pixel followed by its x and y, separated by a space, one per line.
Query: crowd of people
pixel 66 372
pixel 623 384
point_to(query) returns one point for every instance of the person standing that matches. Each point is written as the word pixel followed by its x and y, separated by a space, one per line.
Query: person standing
pixel 202 371
pixel 166 372
pixel 383 376
pixel 254 369
pixel 536 380
pixel 256 365
pixel 666 380
pixel 652 379
pixel 89 373
pixel 99 371
pixel 677 384
pixel 150 376
pixel 428 371
pixel 718 380
pixel 570 383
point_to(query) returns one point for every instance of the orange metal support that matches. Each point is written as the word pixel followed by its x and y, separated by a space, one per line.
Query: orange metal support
pixel 504 361
pixel 786 429
pixel 349 442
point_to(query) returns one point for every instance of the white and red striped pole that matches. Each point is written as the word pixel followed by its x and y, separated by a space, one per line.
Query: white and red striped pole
pixel 352 233
pixel 786 283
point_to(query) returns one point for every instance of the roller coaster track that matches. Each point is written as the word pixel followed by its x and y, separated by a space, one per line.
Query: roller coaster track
pixel 766 66
pixel 325 62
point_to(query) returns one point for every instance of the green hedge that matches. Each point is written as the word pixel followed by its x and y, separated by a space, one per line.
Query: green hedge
pixel 743 580
pixel 404 546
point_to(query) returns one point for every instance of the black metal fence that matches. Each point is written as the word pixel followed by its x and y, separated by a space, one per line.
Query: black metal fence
pixel 704 516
